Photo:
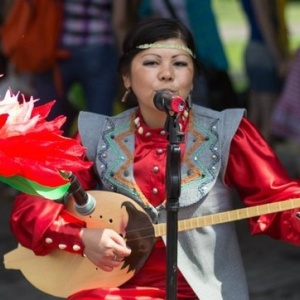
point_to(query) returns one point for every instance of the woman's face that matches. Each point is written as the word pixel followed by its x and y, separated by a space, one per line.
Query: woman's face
pixel 158 69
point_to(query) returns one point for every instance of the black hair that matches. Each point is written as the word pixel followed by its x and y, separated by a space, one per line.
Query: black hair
pixel 150 31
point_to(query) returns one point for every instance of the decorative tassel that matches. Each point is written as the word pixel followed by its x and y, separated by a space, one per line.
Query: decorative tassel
pixel 189 101
pixel 23 127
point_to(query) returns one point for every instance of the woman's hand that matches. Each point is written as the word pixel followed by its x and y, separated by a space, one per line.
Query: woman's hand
pixel 104 247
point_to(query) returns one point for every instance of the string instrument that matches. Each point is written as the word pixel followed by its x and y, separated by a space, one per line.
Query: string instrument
pixel 61 273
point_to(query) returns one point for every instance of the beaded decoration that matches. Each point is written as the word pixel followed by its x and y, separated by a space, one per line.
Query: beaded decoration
pixel 167 46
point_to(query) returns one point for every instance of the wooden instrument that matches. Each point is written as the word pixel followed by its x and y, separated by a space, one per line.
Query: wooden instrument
pixel 61 273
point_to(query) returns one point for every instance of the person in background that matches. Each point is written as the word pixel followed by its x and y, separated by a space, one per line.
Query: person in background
pixel 219 152
pixel 286 115
pixel 92 32
pixel 9 76
pixel 266 58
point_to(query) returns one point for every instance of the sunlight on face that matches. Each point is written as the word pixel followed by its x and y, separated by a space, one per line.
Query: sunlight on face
pixel 156 69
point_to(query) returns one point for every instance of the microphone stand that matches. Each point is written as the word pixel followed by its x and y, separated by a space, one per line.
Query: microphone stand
pixel 173 189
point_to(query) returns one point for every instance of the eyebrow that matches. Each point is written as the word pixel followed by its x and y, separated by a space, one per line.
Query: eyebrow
pixel 173 56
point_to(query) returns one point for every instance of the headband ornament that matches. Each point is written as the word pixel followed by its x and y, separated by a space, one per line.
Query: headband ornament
pixel 167 46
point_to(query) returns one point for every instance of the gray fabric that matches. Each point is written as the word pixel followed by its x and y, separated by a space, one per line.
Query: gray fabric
pixel 208 257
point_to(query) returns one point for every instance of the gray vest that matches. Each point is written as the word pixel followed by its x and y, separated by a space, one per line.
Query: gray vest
pixel 208 257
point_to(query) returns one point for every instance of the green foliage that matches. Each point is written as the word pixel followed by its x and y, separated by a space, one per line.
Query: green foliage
pixel 234 32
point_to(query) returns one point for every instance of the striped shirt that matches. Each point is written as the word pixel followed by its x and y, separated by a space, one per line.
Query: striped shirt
pixel 87 22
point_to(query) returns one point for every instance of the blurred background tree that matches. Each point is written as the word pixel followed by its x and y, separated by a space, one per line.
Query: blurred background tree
pixel 233 29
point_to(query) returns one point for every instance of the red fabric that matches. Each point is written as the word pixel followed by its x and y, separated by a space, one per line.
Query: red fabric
pixel 262 179
pixel 145 293
pixel 147 157
pixel 65 234
pixel 31 230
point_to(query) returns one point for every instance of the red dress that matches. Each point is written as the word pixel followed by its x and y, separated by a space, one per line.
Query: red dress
pixel 250 158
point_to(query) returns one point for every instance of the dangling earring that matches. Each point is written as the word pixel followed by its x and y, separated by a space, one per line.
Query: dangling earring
pixel 128 90
pixel 189 101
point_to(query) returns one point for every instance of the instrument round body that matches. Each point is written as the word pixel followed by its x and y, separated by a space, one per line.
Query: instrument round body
pixel 62 274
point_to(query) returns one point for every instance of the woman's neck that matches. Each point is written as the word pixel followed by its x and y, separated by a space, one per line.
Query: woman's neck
pixel 153 119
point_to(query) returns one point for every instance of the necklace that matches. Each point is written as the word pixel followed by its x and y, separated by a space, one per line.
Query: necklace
pixel 143 129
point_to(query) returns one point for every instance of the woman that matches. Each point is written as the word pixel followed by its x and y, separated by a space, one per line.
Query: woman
pixel 220 151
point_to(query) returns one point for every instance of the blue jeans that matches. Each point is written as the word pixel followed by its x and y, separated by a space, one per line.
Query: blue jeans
pixel 95 69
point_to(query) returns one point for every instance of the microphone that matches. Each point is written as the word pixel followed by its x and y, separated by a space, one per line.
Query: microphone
pixel 164 100
pixel 84 202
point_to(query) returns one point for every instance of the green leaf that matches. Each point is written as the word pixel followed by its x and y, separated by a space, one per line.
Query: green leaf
pixel 32 188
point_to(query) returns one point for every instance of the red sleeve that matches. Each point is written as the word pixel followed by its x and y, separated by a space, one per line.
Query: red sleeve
pixel 33 221
pixel 42 225
pixel 259 177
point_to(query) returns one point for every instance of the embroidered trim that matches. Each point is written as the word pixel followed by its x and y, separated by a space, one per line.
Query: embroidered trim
pixel 197 173
pixel 118 179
